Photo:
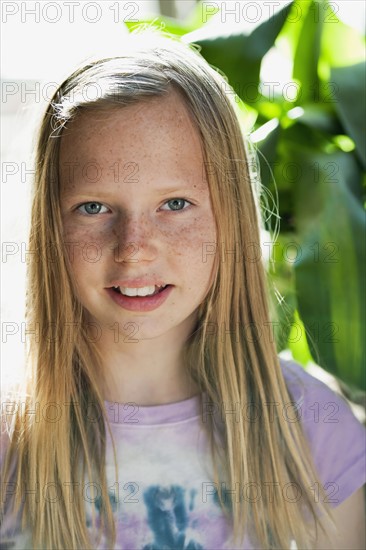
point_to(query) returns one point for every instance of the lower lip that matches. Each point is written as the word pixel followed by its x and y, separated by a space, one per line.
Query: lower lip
pixel 140 303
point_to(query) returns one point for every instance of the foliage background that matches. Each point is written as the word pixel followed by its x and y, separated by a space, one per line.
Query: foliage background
pixel 309 130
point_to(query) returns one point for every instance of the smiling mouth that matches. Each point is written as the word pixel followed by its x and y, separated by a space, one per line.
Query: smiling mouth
pixel 133 292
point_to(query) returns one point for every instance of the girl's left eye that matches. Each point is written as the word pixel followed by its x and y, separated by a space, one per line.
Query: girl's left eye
pixel 92 208
pixel 176 204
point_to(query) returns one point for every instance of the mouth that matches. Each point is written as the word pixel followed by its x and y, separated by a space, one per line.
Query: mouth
pixel 143 299
pixel 142 292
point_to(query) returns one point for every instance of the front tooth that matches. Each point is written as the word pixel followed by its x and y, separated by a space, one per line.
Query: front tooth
pixel 144 291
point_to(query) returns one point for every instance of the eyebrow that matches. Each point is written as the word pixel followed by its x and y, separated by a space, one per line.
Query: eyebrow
pixel 172 190
pixel 160 191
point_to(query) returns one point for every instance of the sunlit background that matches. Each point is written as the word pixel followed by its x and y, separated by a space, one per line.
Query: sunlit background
pixel 37 52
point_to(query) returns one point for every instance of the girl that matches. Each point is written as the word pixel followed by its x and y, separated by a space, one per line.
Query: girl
pixel 157 414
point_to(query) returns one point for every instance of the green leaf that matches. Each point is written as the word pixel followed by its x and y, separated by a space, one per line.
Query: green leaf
pixel 288 37
pixel 267 152
pixel 282 290
pixel 239 54
pixel 330 272
pixel 297 341
pixel 350 91
pixel 263 36
pixel 308 52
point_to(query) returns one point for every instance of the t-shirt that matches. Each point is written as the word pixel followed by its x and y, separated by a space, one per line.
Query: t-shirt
pixel 165 497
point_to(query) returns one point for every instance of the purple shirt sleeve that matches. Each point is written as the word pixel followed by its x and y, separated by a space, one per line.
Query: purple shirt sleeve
pixel 337 438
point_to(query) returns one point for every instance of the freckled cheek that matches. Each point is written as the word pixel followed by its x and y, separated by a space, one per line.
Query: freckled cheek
pixel 204 232
pixel 85 249
pixel 191 241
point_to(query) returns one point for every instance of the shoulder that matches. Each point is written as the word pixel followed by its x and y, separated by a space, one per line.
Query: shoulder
pixel 337 439
pixel 315 400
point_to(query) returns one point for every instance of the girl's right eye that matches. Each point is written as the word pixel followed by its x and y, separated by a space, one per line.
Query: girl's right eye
pixel 92 208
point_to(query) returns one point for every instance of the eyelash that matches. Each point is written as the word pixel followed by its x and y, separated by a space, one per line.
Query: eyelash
pixel 87 213
pixel 99 203
pixel 178 199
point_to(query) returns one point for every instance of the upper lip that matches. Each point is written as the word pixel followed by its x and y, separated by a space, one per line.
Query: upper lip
pixel 140 282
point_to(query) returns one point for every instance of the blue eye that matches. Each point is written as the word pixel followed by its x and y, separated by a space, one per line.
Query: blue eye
pixel 176 204
pixel 91 207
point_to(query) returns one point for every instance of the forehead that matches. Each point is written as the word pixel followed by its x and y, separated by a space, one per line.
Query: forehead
pixel 157 120
pixel 157 137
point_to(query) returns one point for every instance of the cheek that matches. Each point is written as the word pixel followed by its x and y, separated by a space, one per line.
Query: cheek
pixel 85 249
pixel 194 247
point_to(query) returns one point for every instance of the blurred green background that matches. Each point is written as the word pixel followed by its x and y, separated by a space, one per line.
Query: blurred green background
pixel 299 76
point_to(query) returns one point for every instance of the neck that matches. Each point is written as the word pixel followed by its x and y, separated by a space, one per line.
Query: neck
pixel 146 372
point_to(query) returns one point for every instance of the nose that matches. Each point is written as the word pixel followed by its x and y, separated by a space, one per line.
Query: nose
pixel 134 239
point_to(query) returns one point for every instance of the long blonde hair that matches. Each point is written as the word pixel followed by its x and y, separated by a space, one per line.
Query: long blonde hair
pixel 225 362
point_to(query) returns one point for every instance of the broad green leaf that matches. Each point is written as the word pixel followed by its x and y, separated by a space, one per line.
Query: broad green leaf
pixel 282 289
pixel 330 272
pixel 288 37
pixel 238 55
pixel 267 153
pixel 297 341
pixel 350 91
pixel 263 36
pixel 308 52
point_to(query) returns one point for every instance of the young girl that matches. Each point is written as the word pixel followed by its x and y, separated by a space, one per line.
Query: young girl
pixel 157 414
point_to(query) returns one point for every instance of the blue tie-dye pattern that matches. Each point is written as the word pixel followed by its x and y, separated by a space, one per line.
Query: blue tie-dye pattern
pixel 167 518
pixel 192 494
pixel 112 500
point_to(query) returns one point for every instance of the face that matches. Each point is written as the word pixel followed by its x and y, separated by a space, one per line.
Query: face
pixel 137 217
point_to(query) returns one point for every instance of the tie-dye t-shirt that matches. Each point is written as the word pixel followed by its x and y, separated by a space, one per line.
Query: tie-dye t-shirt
pixel 165 498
